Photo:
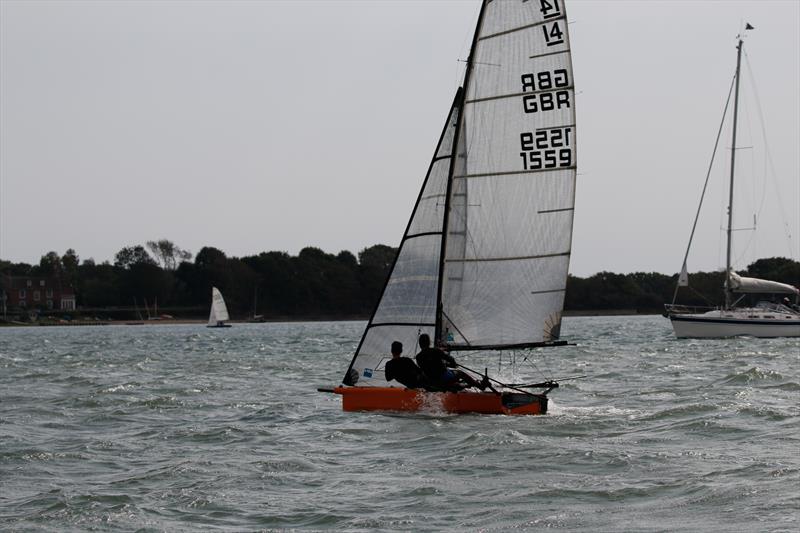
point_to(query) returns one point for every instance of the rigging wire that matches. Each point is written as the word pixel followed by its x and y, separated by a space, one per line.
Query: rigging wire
pixel 751 243
pixel 705 185
pixel 548 377
pixel 703 296
pixel 545 375
pixel 768 154
pixel 466 45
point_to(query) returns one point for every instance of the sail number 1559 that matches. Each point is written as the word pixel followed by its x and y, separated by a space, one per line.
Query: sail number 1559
pixel 546 148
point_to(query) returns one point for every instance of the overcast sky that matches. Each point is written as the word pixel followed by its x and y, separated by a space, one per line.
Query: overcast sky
pixel 256 126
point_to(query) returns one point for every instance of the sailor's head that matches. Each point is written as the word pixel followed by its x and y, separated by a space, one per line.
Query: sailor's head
pixel 424 341
pixel 397 348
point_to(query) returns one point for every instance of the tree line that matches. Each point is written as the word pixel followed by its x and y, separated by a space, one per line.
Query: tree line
pixel 649 291
pixel 316 284
pixel 312 284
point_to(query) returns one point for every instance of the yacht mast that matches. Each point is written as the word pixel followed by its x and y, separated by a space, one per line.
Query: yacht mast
pixel 728 295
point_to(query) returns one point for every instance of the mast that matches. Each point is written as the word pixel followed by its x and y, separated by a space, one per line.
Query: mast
pixel 437 336
pixel 733 161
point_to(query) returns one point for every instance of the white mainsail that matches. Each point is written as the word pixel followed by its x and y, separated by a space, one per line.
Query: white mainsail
pixel 509 230
pixel 219 312
pixel 483 262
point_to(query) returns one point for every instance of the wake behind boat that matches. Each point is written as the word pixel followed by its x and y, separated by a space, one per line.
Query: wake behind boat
pixel 768 318
pixel 483 262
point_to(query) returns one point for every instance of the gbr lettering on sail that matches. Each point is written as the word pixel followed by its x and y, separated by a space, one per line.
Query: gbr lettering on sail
pixel 546 91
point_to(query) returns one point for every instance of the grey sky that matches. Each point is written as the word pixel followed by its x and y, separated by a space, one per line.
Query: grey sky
pixel 258 126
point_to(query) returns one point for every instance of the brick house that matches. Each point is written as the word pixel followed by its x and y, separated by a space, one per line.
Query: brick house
pixel 32 293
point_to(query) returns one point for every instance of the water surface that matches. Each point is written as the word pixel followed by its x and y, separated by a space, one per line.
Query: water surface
pixel 184 428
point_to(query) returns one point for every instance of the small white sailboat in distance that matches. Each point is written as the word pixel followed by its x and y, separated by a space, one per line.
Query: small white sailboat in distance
pixel 768 318
pixel 219 311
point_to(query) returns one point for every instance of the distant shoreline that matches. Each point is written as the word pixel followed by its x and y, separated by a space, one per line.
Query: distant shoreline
pixel 278 320
pixel 312 286
pixel 611 312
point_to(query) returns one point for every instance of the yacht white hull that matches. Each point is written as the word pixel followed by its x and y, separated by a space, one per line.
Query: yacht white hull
pixel 716 325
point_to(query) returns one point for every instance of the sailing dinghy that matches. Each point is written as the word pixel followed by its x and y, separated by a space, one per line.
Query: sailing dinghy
pixel 482 265
pixel 219 311
pixel 767 318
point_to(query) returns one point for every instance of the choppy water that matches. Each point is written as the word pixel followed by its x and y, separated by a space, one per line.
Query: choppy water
pixel 182 428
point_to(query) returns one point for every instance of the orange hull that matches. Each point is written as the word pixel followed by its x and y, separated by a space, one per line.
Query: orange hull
pixel 397 399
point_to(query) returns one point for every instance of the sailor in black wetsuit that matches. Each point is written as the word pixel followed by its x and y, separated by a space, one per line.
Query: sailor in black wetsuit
pixel 403 369
pixel 438 368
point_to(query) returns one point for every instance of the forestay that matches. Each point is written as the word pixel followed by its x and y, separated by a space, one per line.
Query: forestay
pixel 483 262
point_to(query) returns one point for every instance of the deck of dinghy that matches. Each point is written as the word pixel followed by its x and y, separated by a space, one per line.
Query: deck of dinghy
pixel 398 399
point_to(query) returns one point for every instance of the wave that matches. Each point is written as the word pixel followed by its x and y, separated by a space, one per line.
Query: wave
pixel 752 375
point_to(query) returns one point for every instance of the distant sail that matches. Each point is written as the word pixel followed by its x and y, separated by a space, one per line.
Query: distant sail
pixel 219 312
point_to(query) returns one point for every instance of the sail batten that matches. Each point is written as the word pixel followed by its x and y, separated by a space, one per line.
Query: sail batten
pixel 513 30
pixel 567 51
pixel 490 259
pixel 549 290
pixel 512 95
pixel 510 173
pixel 424 234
